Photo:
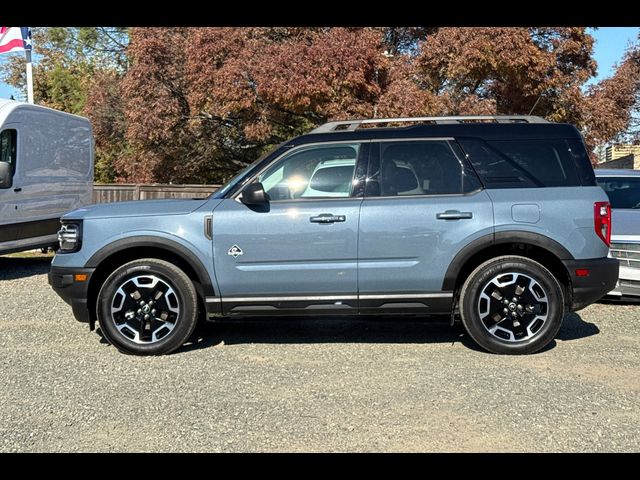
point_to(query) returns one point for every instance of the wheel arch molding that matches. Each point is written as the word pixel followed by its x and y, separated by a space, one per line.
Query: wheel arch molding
pixel 170 247
pixel 495 241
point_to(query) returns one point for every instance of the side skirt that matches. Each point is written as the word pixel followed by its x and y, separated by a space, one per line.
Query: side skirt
pixel 425 303
pixel 415 303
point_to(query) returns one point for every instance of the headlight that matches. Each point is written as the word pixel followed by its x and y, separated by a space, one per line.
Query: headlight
pixel 70 237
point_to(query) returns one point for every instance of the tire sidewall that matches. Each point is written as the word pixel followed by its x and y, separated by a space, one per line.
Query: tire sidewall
pixel 168 273
pixel 477 281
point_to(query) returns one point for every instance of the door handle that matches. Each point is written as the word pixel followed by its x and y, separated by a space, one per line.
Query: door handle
pixel 328 218
pixel 17 189
pixel 453 215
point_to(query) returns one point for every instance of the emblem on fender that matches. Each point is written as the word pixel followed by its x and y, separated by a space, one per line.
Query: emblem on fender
pixel 235 251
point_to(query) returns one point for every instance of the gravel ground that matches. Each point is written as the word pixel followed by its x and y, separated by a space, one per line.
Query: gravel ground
pixel 310 385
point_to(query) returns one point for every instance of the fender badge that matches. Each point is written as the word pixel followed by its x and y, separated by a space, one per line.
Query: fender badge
pixel 235 251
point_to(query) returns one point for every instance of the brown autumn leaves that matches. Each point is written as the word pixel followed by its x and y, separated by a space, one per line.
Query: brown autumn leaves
pixel 196 104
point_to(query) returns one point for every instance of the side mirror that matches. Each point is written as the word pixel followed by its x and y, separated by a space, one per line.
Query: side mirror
pixel 254 194
pixel 6 175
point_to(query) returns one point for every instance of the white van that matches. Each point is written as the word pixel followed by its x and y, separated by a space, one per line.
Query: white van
pixel 46 170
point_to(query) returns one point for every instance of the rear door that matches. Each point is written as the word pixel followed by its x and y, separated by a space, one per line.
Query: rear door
pixel 422 205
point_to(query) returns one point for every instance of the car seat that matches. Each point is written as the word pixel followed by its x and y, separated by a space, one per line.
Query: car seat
pixel 396 180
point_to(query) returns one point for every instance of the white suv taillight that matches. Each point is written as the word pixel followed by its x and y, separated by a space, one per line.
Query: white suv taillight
pixel 602 221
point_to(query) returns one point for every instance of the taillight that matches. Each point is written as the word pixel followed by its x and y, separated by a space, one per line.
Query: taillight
pixel 602 221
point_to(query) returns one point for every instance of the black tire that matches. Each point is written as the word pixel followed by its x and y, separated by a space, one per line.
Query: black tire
pixel 171 331
pixel 482 303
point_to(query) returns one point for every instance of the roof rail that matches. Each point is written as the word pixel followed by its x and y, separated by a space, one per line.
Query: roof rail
pixel 351 125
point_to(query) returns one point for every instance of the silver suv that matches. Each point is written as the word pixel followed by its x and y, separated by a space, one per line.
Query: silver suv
pixel 623 189
pixel 497 221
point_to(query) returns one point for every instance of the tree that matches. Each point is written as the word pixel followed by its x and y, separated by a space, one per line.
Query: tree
pixel 540 71
pixel 201 103
pixel 67 58
pixel 221 96
pixel 105 109
pixel 165 140
pixel 197 104
pixel 71 64
pixel 610 105
pixel 506 70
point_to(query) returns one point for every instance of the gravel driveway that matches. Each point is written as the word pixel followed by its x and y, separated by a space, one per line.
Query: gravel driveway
pixel 310 385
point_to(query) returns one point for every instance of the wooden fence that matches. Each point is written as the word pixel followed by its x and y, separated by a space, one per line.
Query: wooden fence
pixel 121 192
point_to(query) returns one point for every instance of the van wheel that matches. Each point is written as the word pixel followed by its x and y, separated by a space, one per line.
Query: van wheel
pixel 147 307
pixel 512 305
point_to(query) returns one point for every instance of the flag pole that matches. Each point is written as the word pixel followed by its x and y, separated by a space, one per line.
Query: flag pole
pixel 29 77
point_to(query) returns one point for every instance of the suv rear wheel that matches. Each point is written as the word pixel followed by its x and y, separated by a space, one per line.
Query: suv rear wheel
pixel 512 305
pixel 147 307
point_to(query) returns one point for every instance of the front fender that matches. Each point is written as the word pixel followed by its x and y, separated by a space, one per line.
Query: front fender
pixel 181 248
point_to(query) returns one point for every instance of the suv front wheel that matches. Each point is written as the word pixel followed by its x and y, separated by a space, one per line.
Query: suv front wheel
pixel 512 305
pixel 147 307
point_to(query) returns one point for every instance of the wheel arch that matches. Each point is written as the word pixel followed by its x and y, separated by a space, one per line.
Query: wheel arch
pixel 537 247
pixel 107 259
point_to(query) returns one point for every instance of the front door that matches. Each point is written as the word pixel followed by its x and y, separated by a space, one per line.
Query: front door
pixel 298 253
pixel 421 207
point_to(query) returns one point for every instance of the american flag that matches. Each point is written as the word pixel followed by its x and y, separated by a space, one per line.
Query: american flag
pixel 15 39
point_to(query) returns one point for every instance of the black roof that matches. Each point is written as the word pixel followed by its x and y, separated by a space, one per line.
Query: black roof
pixel 485 131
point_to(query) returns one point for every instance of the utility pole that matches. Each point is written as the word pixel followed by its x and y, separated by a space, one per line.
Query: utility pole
pixel 29 77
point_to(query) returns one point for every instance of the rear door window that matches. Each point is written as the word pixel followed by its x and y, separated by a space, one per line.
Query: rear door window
pixel 417 168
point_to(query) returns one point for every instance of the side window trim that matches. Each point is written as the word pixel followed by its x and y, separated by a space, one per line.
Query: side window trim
pixel 361 162
pixel 372 182
pixel 468 171
pixel 360 172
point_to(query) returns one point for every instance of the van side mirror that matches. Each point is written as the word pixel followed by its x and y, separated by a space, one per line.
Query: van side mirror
pixel 254 194
pixel 6 175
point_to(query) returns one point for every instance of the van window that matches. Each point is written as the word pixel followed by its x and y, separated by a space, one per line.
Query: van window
pixel 8 141
pixel 529 163
pixel 56 147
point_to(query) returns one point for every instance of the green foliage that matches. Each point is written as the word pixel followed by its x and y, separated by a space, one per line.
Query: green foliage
pixel 62 87
pixel 67 63
pixel 80 51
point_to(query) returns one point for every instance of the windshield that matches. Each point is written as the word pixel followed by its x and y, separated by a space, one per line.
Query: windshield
pixel 623 192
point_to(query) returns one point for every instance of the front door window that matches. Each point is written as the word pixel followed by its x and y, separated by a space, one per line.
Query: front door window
pixel 313 172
